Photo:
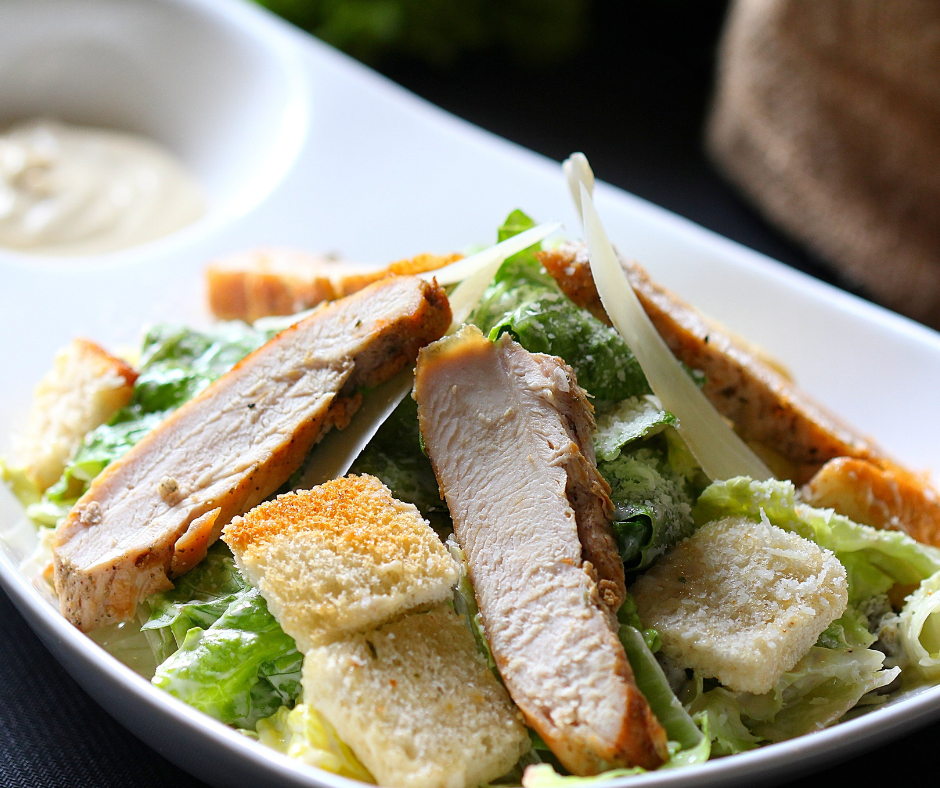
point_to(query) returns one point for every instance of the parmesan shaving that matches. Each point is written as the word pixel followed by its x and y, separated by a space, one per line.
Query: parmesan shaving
pixel 494 255
pixel 720 452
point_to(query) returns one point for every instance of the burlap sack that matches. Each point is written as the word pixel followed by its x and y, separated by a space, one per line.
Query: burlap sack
pixel 827 115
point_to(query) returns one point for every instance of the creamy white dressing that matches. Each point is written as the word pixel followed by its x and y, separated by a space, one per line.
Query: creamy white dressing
pixel 75 190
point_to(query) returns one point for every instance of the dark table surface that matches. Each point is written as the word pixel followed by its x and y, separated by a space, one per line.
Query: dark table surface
pixel 634 101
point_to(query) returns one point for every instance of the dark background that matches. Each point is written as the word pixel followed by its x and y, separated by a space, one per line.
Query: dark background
pixel 634 100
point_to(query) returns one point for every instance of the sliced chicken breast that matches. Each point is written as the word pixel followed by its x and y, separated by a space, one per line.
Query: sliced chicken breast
pixel 793 433
pixel 264 282
pixel 509 435
pixel 882 496
pixel 152 514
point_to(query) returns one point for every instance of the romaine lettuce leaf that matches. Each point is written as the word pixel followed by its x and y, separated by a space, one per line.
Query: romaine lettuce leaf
pixel 394 456
pixel 20 483
pixel 304 734
pixel 465 604
pixel 850 630
pixel 543 775
pixel 652 682
pixel 627 421
pixel 819 690
pixel 199 599
pixel 240 669
pixel 526 302
pixel 722 714
pixel 919 627
pixel 652 502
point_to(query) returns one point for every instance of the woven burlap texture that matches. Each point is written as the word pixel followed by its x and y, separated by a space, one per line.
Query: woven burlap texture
pixel 827 115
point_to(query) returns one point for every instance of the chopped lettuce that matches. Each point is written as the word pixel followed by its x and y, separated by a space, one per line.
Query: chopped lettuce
pixel 526 302
pixel 850 630
pixel 652 682
pixel 627 421
pixel 819 690
pixel 395 457
pixel 465 604
pixel 919 627
pixel 543 775
pixel 652 501
pixel 200 598
pixel 240 669
pixel 20 483
pixel 304 734
pixel 727 733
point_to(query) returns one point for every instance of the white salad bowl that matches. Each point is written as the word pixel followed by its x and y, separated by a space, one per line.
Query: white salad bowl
pixel 297 145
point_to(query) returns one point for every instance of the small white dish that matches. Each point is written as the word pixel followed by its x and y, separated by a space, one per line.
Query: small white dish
pixel 297 145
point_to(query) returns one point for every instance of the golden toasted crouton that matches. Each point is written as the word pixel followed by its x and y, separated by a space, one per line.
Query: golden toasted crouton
pixel 882 496
pixel 742 601
pixel 416 703
pixel 85 387
pixel 343 557
pixel 268 282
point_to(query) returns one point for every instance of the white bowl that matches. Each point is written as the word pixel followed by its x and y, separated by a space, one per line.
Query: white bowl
pixel 297 145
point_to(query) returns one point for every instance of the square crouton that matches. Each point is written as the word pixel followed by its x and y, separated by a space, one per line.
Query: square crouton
pixel 417 703
pixel 343 557
pixel 742 601
pixel 85 387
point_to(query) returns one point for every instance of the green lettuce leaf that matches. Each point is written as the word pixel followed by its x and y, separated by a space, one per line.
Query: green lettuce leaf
pixel 394 456
pixel 200 598
pixel 240 669
pixel 20 483
pixel 817 692
pixel 919 627
pixel 652 682
pixel 543 775
pixel 628 421
pixel 525 301
pixel 720 709
pixel 652 502
pixel 820 689
pixel 465 604
pixel 304 734
pixel 850 630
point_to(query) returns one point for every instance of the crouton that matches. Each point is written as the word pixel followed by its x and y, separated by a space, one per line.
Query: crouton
pixel 417 703
pixel 85 387
pixel 343 557
pixel 268 282
pixel 742 601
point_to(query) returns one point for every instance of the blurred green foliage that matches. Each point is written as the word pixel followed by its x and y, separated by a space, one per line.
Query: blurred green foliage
pixel 534 32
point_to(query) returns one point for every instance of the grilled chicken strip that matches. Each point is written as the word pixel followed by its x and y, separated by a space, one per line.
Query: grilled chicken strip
pixel 765 406
pixel 153 513
pixel 882 496
pixel 509 435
